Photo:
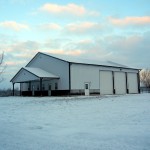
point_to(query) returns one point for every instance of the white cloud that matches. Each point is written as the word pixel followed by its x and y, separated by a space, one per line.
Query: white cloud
pixel 139 21
pixel 73 28
pixel 74 9
pixel 18 51
pixel 83 27
pixel 22 1
pixel 127 50
pixel 130 50
pixel 13 25
pixel 50 26
pixel 67 52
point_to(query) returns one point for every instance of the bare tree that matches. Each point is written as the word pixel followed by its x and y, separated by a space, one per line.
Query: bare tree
pixel 2 66
pixel 145 77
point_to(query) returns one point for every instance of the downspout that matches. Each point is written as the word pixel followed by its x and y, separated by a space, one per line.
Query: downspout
pixel 138 77
pixel 69 78
pixel 127 90
pixel 114 91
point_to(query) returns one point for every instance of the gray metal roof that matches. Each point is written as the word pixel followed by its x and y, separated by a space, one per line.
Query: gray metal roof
pixel 40 73
pixel 77 59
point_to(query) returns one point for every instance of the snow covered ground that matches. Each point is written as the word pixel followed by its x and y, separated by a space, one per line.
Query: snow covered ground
pixel 75 123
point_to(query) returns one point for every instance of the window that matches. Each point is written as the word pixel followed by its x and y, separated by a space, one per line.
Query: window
pixel 32 87
pixel 50 87
pixel 56 86
pixel 38 88
pixel 86 86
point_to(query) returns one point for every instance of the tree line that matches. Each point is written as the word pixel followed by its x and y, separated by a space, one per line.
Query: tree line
pixel 145 77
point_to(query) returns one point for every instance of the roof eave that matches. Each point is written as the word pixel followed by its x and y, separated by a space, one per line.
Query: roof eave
pixel 105 66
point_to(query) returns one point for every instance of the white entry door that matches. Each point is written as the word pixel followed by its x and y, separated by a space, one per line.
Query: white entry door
pixel 87 89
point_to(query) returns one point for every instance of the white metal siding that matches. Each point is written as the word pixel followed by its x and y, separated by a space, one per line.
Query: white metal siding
pixel 132 82
pixel 55 66
pixel 106 82
pixel 24 76
pixel 99 77
pixel 81 74
pixel 24 86
pixel 120 82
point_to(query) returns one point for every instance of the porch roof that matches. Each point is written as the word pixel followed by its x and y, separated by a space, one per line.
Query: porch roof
pixel 40 72
pixel 30 74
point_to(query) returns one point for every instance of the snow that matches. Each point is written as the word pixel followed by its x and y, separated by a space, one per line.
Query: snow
pixel 75 123
pixel 40 73
pixel 77 59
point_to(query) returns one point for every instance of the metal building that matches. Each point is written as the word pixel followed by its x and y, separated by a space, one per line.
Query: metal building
pixel 48 74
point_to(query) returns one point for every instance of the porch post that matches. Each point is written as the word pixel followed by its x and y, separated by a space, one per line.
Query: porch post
pixel 13 89
pixel 41 86
pixel 29 85
pixel 20 89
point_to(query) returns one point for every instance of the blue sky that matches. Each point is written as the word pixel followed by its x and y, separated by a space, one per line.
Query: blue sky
pixel 97 29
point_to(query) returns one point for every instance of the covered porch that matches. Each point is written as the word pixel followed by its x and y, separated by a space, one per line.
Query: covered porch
pixel 33 80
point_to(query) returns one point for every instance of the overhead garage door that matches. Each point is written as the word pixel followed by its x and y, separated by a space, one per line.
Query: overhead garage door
pixel 106 83
pixel 132 81
pixel 120 82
